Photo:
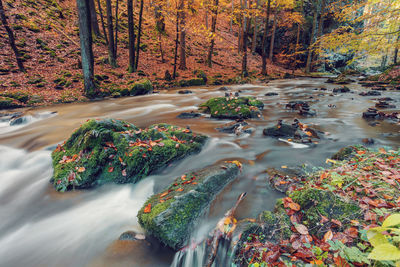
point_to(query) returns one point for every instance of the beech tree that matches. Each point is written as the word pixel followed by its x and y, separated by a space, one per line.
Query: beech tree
pixel 93 18
pixel 85 35
pixel 131 33
pixel 111 47
pixel 139 33
pixel 264 40
pixel 213 29
pixel 11 37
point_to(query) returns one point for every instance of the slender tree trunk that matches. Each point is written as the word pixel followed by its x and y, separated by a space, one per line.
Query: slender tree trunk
pixel 160 27
pixel 102 21
pixel 213 28
pixel 254 41
pixel 271 46
pixel 320 27
pixel 264 41
pixel 116 30
pixel 85 34
pixel 231 20
pixel 131 33
pixel 246 30
pixel 176 43
pixel 296 48
pixel 139 33
pixel 93 18
pixel 314 26
pixel 11 38
pixel 396 50
pixel 111 48
pixel 182 46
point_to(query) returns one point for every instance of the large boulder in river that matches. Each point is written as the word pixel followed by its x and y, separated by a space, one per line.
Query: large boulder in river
pixel 284 130
pixel 141 87
pixel 103 151
pixel 233 107
pixel 172 214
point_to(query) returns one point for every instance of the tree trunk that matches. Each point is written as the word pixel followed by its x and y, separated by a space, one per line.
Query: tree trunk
pixel 296 48
pixel 131 33
pixel 111 49
pixel 396 50
pixel 264 41
pixel 139 33
pixel 320 26
pixel 85 34
pixel 176 43
pixel 160 27
pixel 245 72
pixel 11 38
pixel 116 30
pixel 213 28
pixel 182 47
pixel 102 21
pixel 254 40
pixel 231 20
pixel 271 46
pixel 314 26
pixel 93 18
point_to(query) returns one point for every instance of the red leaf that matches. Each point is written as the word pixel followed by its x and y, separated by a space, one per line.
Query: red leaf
pixel 337 222
pixel 110 169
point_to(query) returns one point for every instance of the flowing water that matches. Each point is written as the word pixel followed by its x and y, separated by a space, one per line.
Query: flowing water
pixel 40 227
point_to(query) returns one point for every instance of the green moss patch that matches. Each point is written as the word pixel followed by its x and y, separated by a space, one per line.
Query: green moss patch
pixel 103 151
pixel 8 102
pixel 233 107
pixel 141 87
pixel 171 215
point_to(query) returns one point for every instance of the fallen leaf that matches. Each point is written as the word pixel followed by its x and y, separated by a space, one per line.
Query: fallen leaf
pixel 147 209
pixel 302 229
pixel 81 169
pixel 110 169
pixel 124 172
pixel 179 189
pixel 294 206
pixel 328 236
pixel 336 222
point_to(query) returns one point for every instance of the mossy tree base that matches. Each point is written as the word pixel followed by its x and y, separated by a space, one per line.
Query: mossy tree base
pixel 170 216
pixel 116 151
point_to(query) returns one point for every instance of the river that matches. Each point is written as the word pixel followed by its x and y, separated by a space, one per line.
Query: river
pixel 41 227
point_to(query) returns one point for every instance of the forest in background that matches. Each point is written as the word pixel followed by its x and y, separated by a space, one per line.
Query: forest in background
pixel 186 42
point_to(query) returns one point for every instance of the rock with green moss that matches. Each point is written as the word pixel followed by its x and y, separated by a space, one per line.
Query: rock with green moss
pixel 141 87
pixel 7 102
pixel 192 82
pixel 103 151
pixel 171 215
pixel 233 107
pixel 284 130
pixel 344 153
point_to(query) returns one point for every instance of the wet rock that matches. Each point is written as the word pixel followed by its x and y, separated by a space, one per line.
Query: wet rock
pixel 141 87
pixel 384 104
pixel 370 93
pixel 19 120
pixel 371 113
pixel 378 88
pixel 373 123
pixel 236 127
pixel 323 89
pixel 233 107
pixel 224 88
pixel 343 89
pixel 283 130
pixel 189 115
pixel 296 104
pixel 171 215
pixel 344 153
pixel 184 92
pixel 116 151
pixel 130 235
pixel 271 94
pixel 341 79
pixel 388 99
pixel 368 141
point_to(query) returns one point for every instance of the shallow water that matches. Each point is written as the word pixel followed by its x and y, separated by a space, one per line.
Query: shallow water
pixel 40 227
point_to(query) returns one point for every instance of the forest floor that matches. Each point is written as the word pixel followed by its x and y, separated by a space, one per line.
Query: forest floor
pixel 47 36
pixel 327 216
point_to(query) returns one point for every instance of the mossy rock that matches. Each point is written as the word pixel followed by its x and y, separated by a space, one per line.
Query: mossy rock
pixel 233 107
pixel 103 151
pixel 192 82
pixel 315 202
pixel 141 87
pixel 20 96
pixel 171 215
pixel 285 130
pixel 7 103
pixel 344 153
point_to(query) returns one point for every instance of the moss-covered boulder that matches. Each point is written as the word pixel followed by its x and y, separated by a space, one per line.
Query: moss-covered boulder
pixel 171 215
pixel 141 87
pixel 344 153
pixel 103 151
pixel 192 82
pixel 8 102
pixel 233 107
pixel 284 130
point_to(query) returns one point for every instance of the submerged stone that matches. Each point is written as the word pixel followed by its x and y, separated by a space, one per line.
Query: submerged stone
pixel 188 115
pixel 285 130
pixel 343 89
pixel 236 127
pixel 116 151
pixel 171 215
pixel 233 107
pixel 370 93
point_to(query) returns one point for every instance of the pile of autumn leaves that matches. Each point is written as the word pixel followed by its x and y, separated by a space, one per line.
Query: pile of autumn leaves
pixel 369 179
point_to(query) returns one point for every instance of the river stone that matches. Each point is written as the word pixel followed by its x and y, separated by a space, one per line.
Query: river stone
pixel 343 89
pixel 184 92
pixel 235 127
pixel 285 130
pixel 104 151
pixel 271 94
pixel 370 93
pixel 233 107
pixel 188 115
pixel 172 214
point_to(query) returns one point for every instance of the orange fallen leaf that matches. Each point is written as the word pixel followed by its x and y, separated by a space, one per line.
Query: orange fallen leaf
pixel 147 209
pixel 164 194
pixel 328 236
pixel 183 177
pixel 179 189
pixel 360 152
pixel 302 229
pixel 317 262
pixel 81 169
pixel 294 206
